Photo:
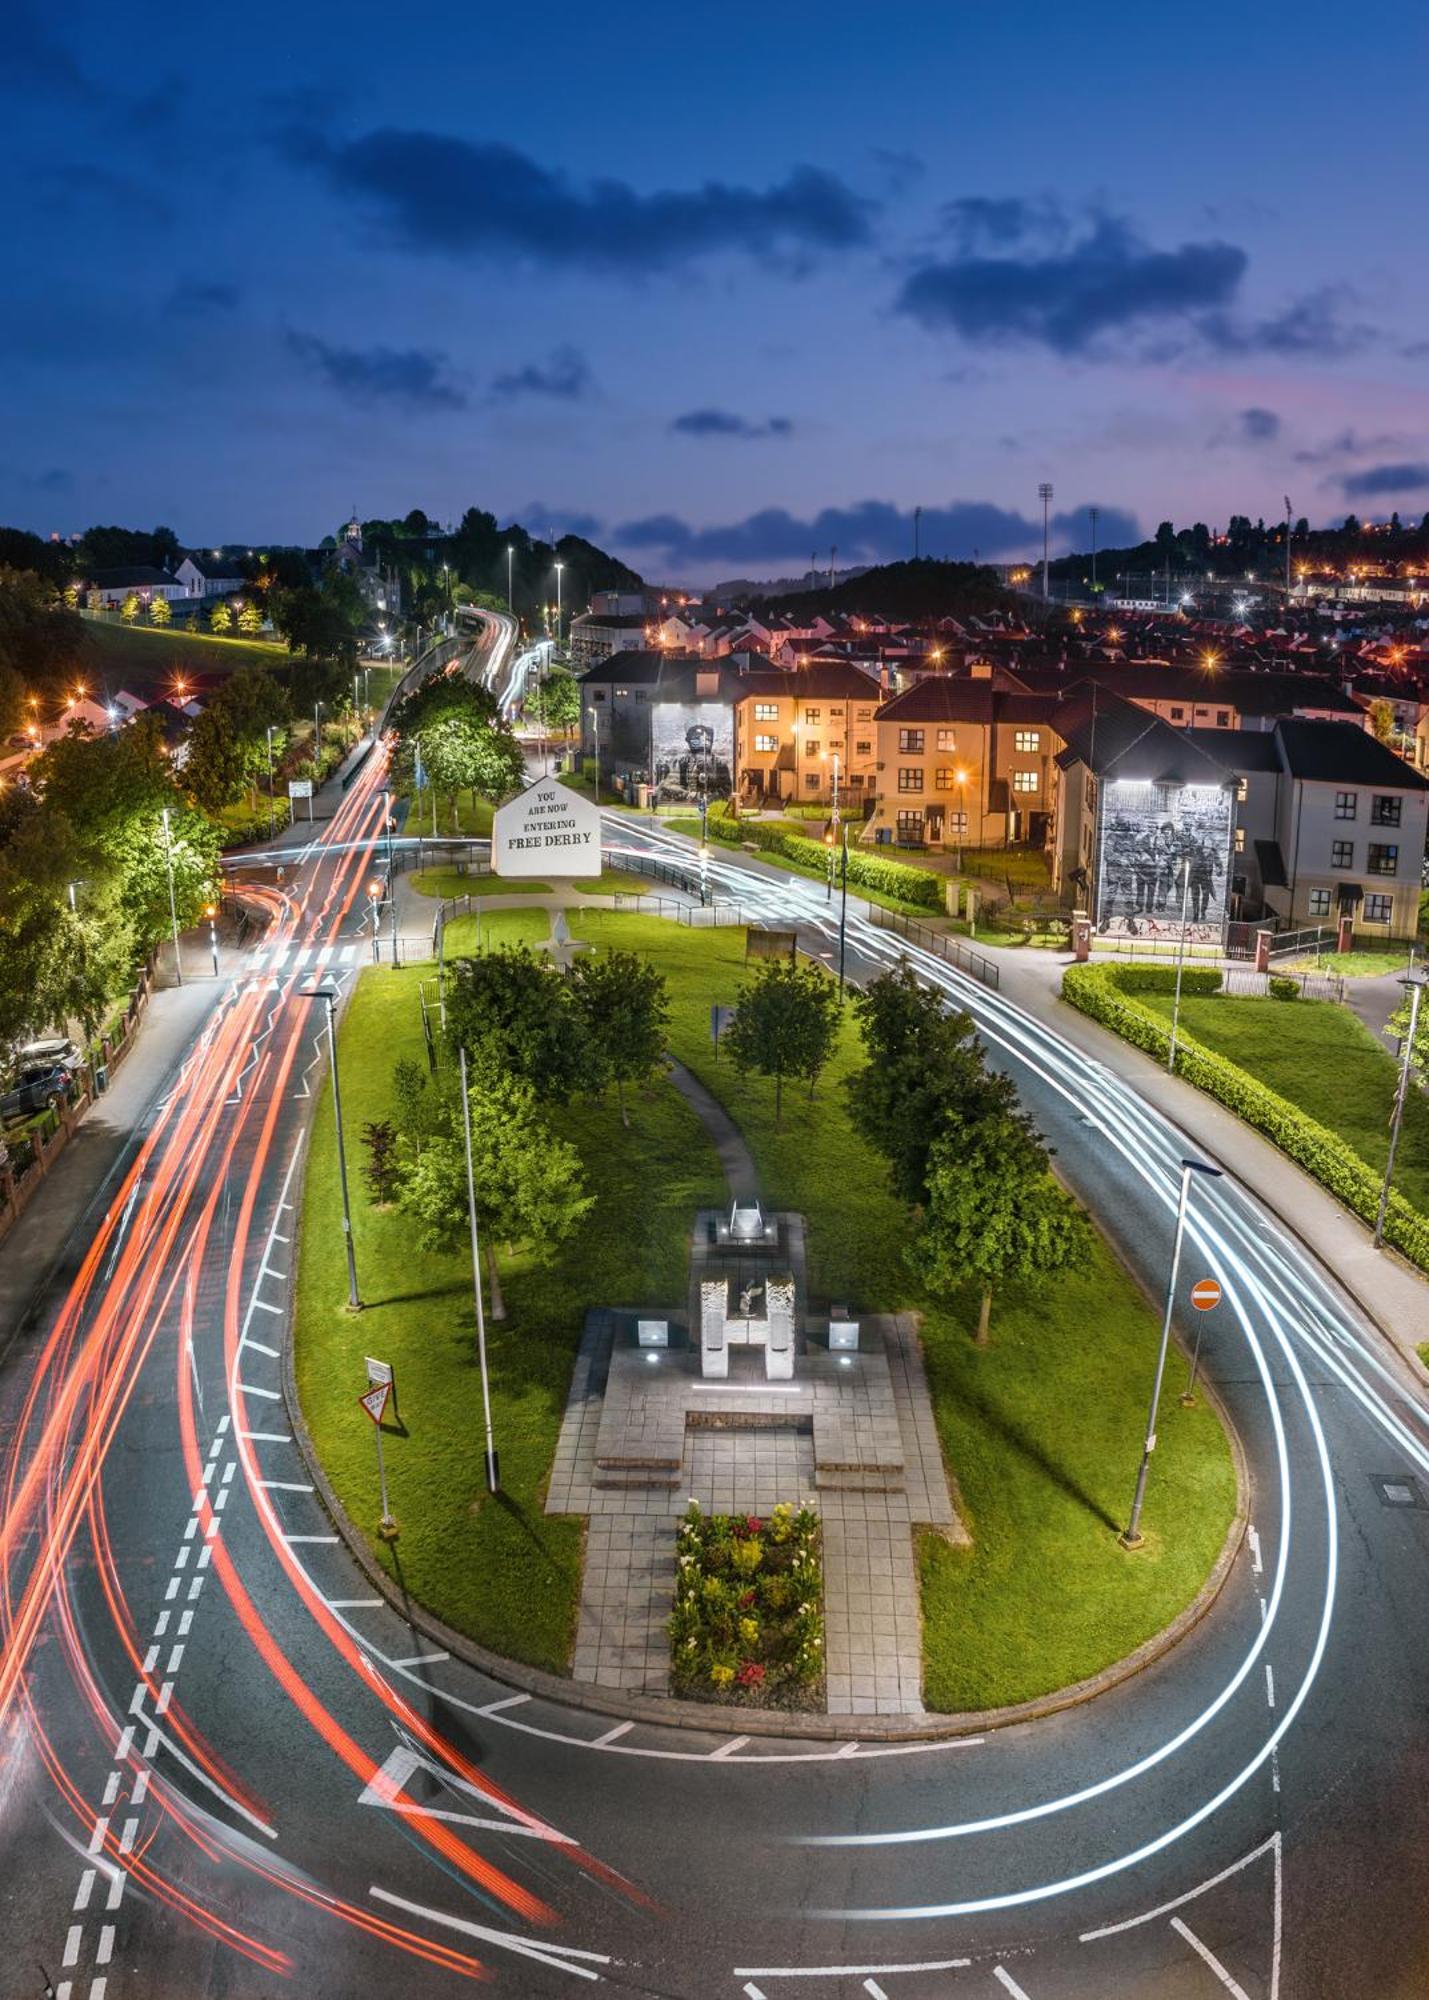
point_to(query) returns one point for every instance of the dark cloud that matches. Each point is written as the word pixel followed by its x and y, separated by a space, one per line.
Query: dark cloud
pixel 725 424
pixel 899 169
pixel 997 222
pixel 549 524
pixel 1376 481
pixel 1314 325
pixel 54 479
pixel 1106 281
pixel 36 60
pixel 1257 426
pixel 1349 443
pixel 192 298
pixel 414 377
pixel 437 193
pixel 565 375
pixel 869 531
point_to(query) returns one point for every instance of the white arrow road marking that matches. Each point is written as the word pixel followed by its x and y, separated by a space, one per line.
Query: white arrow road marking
pixel 402 1765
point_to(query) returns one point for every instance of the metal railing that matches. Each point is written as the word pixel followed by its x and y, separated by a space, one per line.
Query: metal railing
pixel 955 950
pixel 1243 982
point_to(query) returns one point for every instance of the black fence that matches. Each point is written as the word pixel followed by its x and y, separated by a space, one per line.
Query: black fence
pixel 955 950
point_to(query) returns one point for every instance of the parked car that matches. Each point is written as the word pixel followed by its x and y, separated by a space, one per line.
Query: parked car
pixel 56 1050
pixel 41 1088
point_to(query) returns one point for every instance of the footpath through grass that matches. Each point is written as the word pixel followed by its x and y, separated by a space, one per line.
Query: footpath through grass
pixel 499 1569
pixel 449 883
pixel 1041 1430
pixel 1321 1057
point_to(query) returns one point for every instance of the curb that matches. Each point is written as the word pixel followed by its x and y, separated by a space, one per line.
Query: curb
pixel 662 1711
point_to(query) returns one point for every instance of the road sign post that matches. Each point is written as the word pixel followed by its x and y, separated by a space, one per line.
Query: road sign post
pixel 375 1402
pixel 379 1372
pixel 1205 1297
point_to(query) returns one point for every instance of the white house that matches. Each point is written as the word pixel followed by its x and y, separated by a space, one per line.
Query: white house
pixel 209 575
pixel 108 588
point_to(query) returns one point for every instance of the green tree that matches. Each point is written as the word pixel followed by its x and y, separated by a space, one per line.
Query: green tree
pixel 129 609
pixel 516 1016
pixel 785 1024
pixel 228 743
pixel 558 700
pixel 994 1214
pixel 1399 1025
pixel 250 618
pixel 321 624
pixel 220 618
pixel 382 1169
pixel 1381 720
pixel 923 1066
pixel 625 1011
pixel 160 610
pixel 528 1181
pixel 57 964
pixel 465 743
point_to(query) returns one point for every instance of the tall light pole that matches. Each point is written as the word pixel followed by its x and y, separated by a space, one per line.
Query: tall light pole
pixel 1416 982
pixel 843 909
pixel 272 808
pixel 493 1468
pixel 510 573
pixel 1044 494
pixel 329 996
pixel 595 739
pixel 374 896
pixel 1096 514
pixel 1180 965
pixel 391 876
pixel 173 906
pixel 1288 512
pixel 1132 1538
pixel 211 912
pixel 559 568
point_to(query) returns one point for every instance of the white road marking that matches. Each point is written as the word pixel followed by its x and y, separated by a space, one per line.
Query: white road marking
pixel 511 1701
pixel 141 1788
pixel 354 1604
pixel 1179 1902
pixel 268 1395
pixel 85 1890
pixel 848 1971
pixel 565 1957
pixel 1269 1684
pixel 258 1347
pixel 266 1437
pixel 1005 1979
pixel 874 1991
pixel 752 1992
pixel 421 1660
pixel 728 1749
pixel 1232 1986
pixel 72 1938
pixel 1256 1564
pixel 614 1735
pixel 310 1538
pixel 264 1306
pixel 96 1838
pixel 285 1486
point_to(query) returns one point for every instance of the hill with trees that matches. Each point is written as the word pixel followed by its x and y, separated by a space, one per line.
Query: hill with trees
pixel 926 589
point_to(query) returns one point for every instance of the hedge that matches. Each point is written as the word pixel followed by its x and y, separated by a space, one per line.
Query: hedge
pixel 865 871
pixel 1195 980
pixel 1103 992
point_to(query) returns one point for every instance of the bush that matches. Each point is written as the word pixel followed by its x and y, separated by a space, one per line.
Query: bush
pixel 1280 988
pixel 1195 980
pixel 865 871
pixel 1100 991
pixel 747 1625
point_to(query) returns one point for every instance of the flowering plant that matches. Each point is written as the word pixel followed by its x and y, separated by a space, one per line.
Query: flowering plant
pixel 746 1624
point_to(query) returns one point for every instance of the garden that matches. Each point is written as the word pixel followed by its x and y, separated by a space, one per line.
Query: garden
pixel 747 1625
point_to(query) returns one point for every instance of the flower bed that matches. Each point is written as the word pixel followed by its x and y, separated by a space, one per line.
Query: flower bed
pixel 748 1622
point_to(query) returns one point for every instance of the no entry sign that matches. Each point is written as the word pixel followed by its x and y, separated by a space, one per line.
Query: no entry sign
pixel 1205 1294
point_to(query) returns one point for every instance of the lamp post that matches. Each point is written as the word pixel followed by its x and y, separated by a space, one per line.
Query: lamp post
pixel 559 568
pixel 595 739
pixel 493 1468
pixel 1132 1537
pixel 391 876
pixel 329 996
pixel 211 912
pixel 1416 982
pixel 374 896
pixel 1180 965
pixel 843 907
pixel 272 808
pixel 173 905
pixel 510 573
pixel 1044 494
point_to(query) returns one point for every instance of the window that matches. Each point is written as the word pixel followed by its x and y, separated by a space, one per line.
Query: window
pixel 1178 715
pixel 1346 804
pixel 910 778
pixel 1319 902
pixel 811 748
pixel 1024 781
pixel 910 825
pixel 1385 809
pixel 640 695
pixel 766 711
pixel 811 781
pixel 1028 741
pixel 1383 860
pixel 863 715
pixel 813 715
pixel 1378 909
pixel 1242 790
pixel 1223 718
pixel 863 749
pixel 958 824
pixel 597 694
pixel 1342 854
pixel 1240 840
pixel 766 742
pixel 910 742
pixel 944 778
pixel 947 739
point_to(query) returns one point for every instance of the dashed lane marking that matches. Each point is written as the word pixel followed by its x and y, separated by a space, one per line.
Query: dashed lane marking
pixel 1009 1985
pixel 1232 1986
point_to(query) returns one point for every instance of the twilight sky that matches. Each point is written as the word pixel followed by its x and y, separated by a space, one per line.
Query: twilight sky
pixel 721 285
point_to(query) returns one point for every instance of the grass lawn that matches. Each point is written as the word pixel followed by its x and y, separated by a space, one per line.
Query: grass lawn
pixel 1040 1429
pixel 448 883
pixel 149 655
pixel 1366 961
pixel 473 817
pixel 1024 867
pixel 1321 1057
pixel 813 871
pixel 499 1569
pixel 496 927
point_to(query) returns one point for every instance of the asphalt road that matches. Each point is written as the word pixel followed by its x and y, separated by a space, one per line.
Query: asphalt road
pixel 227 1771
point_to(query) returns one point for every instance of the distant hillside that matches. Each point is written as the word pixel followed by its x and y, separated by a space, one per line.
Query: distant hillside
pixel 143 658
pixel 916 591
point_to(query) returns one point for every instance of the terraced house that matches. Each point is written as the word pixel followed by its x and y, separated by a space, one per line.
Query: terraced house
pixel 799 736
pixel 964 760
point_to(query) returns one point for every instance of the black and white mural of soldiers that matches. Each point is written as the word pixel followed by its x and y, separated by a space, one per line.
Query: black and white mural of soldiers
pixel 1163 854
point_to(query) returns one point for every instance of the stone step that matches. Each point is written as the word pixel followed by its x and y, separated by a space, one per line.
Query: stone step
pixel 858 1479
pixel 636 1478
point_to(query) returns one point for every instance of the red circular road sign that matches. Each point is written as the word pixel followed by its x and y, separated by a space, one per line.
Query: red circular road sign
pixel 1205 1294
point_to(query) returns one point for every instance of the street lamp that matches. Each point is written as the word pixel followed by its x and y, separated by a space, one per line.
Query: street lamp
pixel 211 912
pixel 173 906
pixel 493 1468
pixel 843 907
pixel 1044 494
pixel 510 572
pixel 329 996
pixel 559 568
pixel 374 896
pixel 1416 982
pixel 391 875
pixel 1132 1538
pixel 272 808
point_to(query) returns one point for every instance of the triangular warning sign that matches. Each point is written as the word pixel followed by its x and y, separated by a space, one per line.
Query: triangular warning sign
pixel 375 1401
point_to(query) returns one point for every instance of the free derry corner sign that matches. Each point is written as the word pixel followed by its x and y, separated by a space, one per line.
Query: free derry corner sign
pixel 548 830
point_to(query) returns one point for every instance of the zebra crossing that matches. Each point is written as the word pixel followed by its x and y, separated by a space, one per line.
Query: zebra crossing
pixel 294 957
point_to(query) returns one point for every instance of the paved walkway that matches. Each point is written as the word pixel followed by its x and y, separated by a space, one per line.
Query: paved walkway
pixel 734 1155
pixel 1394 1295
pixel 1374 1000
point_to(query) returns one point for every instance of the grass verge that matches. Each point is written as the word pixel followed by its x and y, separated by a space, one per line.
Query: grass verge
pixel 1040 1430
pixel 499 1569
